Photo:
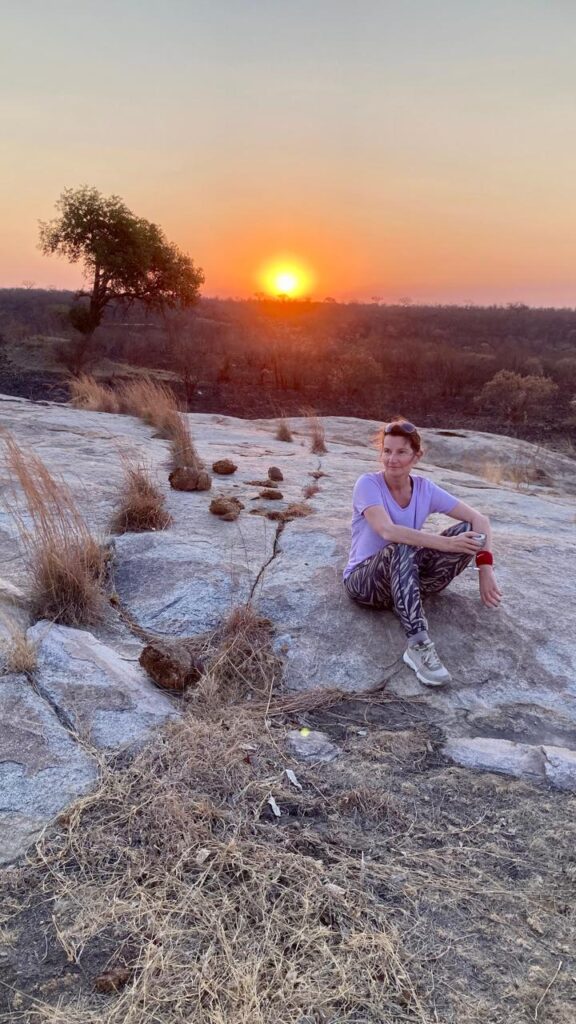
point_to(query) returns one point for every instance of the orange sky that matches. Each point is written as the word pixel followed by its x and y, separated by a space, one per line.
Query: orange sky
pixel 425 149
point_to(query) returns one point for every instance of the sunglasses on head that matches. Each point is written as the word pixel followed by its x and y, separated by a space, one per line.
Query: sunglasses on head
pixel 403 425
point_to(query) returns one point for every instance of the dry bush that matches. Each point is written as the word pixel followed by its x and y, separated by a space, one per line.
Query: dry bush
pixel 142 506
pixel 87 393
pixel 66 565
pixel 283 431
pixel 310 490
pixel 317 433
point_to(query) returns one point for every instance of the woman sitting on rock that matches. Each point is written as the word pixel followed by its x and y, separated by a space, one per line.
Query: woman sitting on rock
pixel 393 563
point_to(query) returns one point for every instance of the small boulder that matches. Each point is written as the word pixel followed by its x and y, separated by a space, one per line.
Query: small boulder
pixel 275 474
pixel 227 509
pixel 224 467
pixel 184 478
pixel 271 494
pixel 171 665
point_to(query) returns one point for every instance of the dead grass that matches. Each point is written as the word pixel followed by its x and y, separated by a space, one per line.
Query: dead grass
pixel 66 564
pixel 19 655
pixel 316 432
pixel 156 405
pixel 310 490
pixel 391 890
pixel 142 505
pixel 87 393
pixel 283 431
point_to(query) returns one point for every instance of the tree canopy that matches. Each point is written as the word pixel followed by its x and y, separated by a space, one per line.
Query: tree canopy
pixel 125 258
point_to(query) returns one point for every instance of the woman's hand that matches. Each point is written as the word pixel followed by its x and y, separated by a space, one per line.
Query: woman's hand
pixel 468 543
pixel 490 593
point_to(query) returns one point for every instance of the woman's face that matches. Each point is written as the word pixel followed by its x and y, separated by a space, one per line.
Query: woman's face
pixel 398 455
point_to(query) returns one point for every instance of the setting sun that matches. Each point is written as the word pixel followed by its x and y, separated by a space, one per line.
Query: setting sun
pixel 286 278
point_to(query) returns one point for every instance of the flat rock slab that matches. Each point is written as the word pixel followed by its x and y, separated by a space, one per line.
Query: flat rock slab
pixel 104 699
pixel 42 767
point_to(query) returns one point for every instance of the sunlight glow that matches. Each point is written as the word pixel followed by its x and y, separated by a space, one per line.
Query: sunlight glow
pixel 286 278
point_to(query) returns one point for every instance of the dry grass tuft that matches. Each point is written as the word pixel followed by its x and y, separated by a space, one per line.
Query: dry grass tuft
pixel 156 405
pixel 19 655
pixel 316 431
pixel 310 490
pixel 87 393
pixel 283 431
pixel 66 564
pixel 142 505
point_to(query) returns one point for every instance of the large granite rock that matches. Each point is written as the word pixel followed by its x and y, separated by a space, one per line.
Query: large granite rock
pixel 511 707
pixel 103 699
pixel 42 767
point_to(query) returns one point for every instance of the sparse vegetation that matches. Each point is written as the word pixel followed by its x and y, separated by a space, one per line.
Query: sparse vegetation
pixel 391 887
pixel 283 431
pixel 66 564
pixel 317 433
pixel 142 505
pixel 310 490
pixel 87 393
pixel 19 654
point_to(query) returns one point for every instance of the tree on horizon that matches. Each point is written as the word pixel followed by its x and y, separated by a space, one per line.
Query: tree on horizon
pixel 124 258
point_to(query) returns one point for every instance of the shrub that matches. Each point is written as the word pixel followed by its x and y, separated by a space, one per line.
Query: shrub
pixel 66 564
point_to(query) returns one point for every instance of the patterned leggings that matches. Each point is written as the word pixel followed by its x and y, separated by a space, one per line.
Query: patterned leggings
pixel 400 575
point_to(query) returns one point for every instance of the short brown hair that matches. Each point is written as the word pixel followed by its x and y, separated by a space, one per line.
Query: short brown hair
pixel 394 428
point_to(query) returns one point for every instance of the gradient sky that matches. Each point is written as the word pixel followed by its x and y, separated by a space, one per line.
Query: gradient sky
pixel 396 147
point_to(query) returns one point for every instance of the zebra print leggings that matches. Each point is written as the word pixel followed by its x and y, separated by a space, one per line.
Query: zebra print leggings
pixel 400 575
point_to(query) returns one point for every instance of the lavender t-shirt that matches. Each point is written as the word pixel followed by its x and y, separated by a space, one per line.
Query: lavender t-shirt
pixel 371 489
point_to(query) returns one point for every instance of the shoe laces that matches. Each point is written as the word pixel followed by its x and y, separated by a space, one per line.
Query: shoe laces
pixel 429 656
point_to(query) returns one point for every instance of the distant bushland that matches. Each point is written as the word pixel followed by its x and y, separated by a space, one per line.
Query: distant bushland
pixel 508 369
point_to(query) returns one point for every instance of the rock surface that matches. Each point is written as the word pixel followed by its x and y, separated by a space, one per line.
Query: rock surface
pixel 104 700
pixel 511 706
pixel 42 767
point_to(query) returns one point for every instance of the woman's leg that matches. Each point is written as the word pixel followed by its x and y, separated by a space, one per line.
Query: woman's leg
pixel 390 579
pixel 438 568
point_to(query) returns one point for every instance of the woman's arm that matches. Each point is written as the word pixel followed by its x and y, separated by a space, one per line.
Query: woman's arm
pixel 464 543
pixel 490 593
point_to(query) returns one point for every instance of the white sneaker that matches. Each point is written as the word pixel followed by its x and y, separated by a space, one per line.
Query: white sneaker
pixel 426 664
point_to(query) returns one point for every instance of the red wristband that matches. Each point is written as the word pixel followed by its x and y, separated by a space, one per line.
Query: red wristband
pixel 484 558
